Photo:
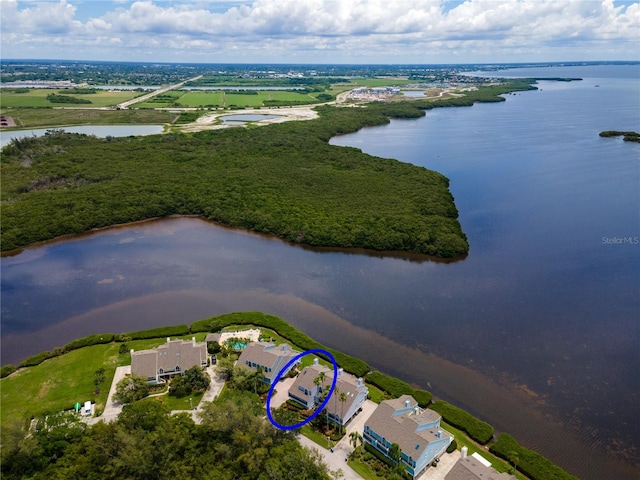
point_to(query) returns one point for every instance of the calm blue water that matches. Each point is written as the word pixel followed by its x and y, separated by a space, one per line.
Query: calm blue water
pixel 547 302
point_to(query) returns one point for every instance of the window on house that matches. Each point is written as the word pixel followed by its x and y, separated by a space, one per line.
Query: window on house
pixel 177 368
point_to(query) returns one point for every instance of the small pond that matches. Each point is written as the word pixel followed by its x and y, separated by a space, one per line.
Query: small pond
pixel 97 130
pixel 242 119
pixel 413 93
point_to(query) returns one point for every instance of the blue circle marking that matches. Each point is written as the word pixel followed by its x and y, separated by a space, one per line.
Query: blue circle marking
pixel 322 405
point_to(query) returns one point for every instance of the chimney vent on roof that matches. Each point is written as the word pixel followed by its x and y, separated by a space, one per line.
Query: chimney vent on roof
pixel 407 403
pixel 168 339
pixel 315 361
pixel 340 370
pixel 463 452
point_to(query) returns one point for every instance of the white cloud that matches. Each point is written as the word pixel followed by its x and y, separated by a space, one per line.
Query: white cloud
pixel 312 30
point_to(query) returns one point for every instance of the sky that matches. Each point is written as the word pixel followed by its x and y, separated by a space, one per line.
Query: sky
pixel 322 31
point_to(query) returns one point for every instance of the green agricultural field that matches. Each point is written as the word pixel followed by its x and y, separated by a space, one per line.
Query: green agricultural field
pixel 379 82
pixel 218 98
pixel 55 117
pixel 37 97
pixel 202 98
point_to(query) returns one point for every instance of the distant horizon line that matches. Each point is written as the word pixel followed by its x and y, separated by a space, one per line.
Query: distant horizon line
pixel 555 63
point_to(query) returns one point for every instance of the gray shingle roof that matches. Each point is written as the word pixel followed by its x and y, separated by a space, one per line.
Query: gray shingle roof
pixel 471 469
pixel 403 428
pixel 268 356
pixel 177 353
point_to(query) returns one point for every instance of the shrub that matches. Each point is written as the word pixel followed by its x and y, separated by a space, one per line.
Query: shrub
pixel 7 370
pixel 396 388
pixel 172 331
pixel 350 364
pixel 478 430
pixel 384 459
pixel 452 446
pixel 531 463
pixel 96 339
pixel 37 359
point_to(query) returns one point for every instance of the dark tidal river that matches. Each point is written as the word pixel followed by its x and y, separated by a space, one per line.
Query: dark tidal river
pixel 536 331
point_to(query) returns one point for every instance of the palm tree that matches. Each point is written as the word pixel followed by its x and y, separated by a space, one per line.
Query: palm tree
pixel 320 381
pixel 336 393
pixel 395 453
pixel 343 398
pixel 355 438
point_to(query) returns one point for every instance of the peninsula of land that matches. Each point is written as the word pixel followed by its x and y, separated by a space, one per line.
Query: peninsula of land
pixel 282 179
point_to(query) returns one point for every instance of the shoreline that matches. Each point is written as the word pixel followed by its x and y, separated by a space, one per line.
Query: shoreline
pixel 411 256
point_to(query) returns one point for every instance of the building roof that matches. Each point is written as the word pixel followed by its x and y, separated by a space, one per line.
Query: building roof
pixel 348 384
pixel 399 421
pixel 177 353
pixel 267 355
pixel 305 379
pixel 469 468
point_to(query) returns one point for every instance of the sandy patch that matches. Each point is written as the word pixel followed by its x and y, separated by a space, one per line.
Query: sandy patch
pixel 286 114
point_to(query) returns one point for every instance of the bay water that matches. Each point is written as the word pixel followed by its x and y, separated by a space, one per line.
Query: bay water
pixel 536 330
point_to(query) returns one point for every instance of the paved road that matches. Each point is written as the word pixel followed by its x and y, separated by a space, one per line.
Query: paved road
pixel 335 461
pixel 147 96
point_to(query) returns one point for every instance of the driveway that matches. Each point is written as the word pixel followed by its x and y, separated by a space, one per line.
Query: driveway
pixel 112 408
pixel 282 392
pixel 447 461
pixel 335 461
pixel 215 387
pixel 356 424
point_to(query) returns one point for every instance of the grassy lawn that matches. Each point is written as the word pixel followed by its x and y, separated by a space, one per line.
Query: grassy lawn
pixel 50 117
pixel 178 403
pixel 463 441
pixel 316 437
pixel 376 395
pixel 362 469
pixel 58 383
pixel 37 97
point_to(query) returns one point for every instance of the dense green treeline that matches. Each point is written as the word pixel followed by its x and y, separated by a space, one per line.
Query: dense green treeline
pixel 234 441
pixel 281 180
pixel 531 463
pixel 478 430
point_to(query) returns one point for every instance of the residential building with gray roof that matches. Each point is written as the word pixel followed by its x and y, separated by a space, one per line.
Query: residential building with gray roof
pixel 416 431
pixel 169 359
